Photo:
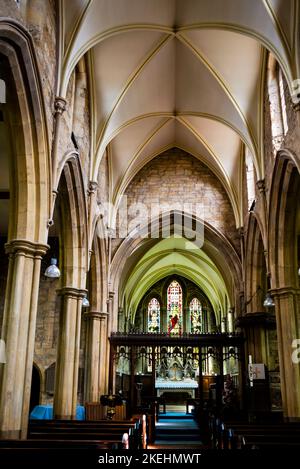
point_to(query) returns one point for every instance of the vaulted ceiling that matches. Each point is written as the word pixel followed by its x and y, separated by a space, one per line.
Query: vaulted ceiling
pixel 176 255
pixel 185 73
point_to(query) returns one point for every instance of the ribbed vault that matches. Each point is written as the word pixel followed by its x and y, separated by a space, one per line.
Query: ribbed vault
pixel 179 73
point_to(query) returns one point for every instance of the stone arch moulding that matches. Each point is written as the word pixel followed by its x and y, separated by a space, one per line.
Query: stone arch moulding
pixel 33 193
pixel 255 247
pixel 133 248
pixel 283 197
pixel 284 201
pixel 98 275
pixel 75 240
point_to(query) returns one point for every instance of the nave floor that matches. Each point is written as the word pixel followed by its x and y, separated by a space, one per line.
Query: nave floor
pixel 177 429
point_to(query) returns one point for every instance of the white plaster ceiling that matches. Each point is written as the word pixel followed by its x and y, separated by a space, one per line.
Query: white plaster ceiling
pixel 184 73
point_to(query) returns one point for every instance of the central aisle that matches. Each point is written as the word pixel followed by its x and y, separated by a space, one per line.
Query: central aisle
pixel 177 429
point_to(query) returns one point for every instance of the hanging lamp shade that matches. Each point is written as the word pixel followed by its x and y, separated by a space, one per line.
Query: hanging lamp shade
pixel 85 302
pixel 268 302
pixel 52 271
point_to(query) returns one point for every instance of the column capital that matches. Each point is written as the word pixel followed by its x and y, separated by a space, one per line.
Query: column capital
pixel 99 315
pixel 111 295
pixel 260 184
pixel 93 186
pixel 284 291
pixel 72 292
pixel 60 105
pixel 28 248
pixel 296 107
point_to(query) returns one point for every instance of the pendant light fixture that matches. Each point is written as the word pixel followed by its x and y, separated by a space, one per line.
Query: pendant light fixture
pixel 85 302
pixel 52 271
pixel 268 301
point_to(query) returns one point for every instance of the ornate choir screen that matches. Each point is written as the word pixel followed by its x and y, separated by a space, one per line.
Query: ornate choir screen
pixel 180 367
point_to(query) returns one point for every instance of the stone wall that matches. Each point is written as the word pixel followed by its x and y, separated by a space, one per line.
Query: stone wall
pixel 3 277
pixel 175 177
pixel 39 18
pixel 47 329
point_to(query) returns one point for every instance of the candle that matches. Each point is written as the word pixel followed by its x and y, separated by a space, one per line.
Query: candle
pixel 250 359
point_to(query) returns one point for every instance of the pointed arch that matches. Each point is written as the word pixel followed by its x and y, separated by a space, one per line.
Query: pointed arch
pixel 31 182
pixel 71 202
pixel 284 201
pixel 256 265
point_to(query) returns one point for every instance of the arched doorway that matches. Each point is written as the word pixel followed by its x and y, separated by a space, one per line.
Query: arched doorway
pixel 35 388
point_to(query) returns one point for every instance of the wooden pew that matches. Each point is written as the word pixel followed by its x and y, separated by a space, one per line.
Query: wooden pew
pixel 130 432
pixel 237 436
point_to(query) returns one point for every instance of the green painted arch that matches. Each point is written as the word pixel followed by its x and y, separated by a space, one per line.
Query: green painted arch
pixel 175 256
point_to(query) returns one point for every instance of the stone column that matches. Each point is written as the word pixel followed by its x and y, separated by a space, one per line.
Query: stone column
pixel 92 357
pixel 106 331
pixel 287 308
pixel 66 376
pixel 262 191
pixel 230 320
pixel 104 358
pixel 163 319
pixel 60 105
pixel 18 332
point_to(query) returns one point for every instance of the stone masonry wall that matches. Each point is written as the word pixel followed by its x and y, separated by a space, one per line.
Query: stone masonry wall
pixel 39 18
pixel 177 177
pixel 47 329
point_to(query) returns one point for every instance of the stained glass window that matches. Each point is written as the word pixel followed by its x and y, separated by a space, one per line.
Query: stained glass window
pixel 153 315
pixel 174 309
pixel 196 316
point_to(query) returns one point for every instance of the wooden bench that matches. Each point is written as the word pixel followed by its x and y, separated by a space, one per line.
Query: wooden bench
pixel 128 433
pixel 237 436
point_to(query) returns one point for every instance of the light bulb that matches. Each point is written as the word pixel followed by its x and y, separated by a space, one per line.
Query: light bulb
pixel 52 271
pixel 268 302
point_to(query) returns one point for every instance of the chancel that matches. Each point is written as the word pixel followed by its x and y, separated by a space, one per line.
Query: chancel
pixel 149 225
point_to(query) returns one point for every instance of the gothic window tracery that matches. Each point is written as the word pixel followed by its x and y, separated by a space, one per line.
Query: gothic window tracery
pixel 174 308
pixel 153 315
pixel 196 316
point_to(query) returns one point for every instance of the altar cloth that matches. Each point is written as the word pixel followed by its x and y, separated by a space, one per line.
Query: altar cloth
pixel 184 384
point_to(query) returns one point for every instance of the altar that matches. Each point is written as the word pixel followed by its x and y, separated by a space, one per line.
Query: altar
pixel 185 386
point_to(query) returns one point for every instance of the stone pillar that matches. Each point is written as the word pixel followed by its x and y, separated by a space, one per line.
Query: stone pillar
pixel 287 308
pixel 262 191
pixel 163 320
pixel 92 357
pixel 186 323
pixel 66 377
pixel 18 332
pixel 60 105
pixel 231 320
pixel 104 358
pixel 107 329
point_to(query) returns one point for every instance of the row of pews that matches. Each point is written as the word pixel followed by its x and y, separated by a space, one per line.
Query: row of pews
pixel 243 435
pixel 52 436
